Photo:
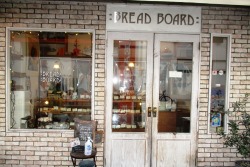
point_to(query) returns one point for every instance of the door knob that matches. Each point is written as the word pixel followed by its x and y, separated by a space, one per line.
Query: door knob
pixel 149 111
pixel 154 111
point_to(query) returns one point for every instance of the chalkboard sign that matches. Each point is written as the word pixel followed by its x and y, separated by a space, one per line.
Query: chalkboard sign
pixel 84 129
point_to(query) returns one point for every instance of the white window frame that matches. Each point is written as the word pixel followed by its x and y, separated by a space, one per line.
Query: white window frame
pixel 227 85
pixel 8 76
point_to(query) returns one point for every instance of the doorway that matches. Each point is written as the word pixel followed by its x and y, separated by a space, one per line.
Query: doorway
pixel 151 99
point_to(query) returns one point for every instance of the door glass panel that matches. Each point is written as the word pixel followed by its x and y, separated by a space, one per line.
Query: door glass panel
pixel 175 87
pixel 129 83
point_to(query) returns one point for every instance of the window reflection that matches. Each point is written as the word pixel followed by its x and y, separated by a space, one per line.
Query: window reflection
pixel 129 86
pixel 175 87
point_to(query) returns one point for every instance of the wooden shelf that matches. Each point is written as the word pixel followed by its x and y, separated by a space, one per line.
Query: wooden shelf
pixel 53 111
pixel 129 130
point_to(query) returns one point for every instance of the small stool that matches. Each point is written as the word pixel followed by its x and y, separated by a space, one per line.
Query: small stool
pixel 87 163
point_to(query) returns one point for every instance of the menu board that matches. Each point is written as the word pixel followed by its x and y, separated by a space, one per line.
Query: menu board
pixel 84 129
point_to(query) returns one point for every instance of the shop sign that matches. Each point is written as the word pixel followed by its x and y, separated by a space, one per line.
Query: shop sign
pixel 154 18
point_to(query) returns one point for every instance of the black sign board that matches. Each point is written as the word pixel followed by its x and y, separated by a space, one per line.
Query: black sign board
pixel 84 129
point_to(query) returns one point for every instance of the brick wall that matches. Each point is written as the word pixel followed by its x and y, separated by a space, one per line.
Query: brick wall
pixel 52 149
pixel 38 148
pixel 228 20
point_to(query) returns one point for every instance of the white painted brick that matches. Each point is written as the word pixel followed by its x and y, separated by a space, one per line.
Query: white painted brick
pixel 46 139
pixel 229 163
pixel 211 159
pixel 40 144
pixel 40 163
pixel 25 162
pixel 39 153
pixel 216 164
pixel 12 152
pixel 47 158
pixel 18 157
pixel 47 149
pixel 19 138
pixel 56 154
pixel 224 159
pixel 12 162
pixel 33 148
pixel 28 157
pixel 12 143
pixel 26 143
pixel 229 154
pixel 216 154
pixel 55 144
pixel 65 149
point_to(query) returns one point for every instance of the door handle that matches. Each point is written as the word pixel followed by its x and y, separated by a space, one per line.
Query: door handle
pixel 149 111
pixel 154 111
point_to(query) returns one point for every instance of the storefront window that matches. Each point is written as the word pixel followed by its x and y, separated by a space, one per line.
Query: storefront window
pixel 219 81
pixel 50 78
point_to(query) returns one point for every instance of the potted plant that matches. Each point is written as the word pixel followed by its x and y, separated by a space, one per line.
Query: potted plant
pixel 238 135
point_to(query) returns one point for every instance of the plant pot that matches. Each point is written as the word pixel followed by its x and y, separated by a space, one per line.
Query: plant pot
pixel 242 163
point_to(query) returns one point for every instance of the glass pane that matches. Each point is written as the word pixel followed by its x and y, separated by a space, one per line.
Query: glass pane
pixel 129 83
pixel 218 82
pixel 175 87
pixel 50 74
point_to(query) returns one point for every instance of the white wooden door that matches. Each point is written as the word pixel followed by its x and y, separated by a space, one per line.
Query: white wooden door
pixel 151 100
pixel 175 95
pixel 128 94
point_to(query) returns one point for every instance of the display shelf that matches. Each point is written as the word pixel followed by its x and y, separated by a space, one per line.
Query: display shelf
pixel 62 103
pixel 53 111
pixel 129 130
pixel 62 108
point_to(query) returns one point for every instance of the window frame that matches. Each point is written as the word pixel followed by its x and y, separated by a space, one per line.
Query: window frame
pixel 8 76
pixel 227 85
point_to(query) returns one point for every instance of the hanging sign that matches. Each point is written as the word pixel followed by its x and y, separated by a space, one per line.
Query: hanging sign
pixel 154 18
